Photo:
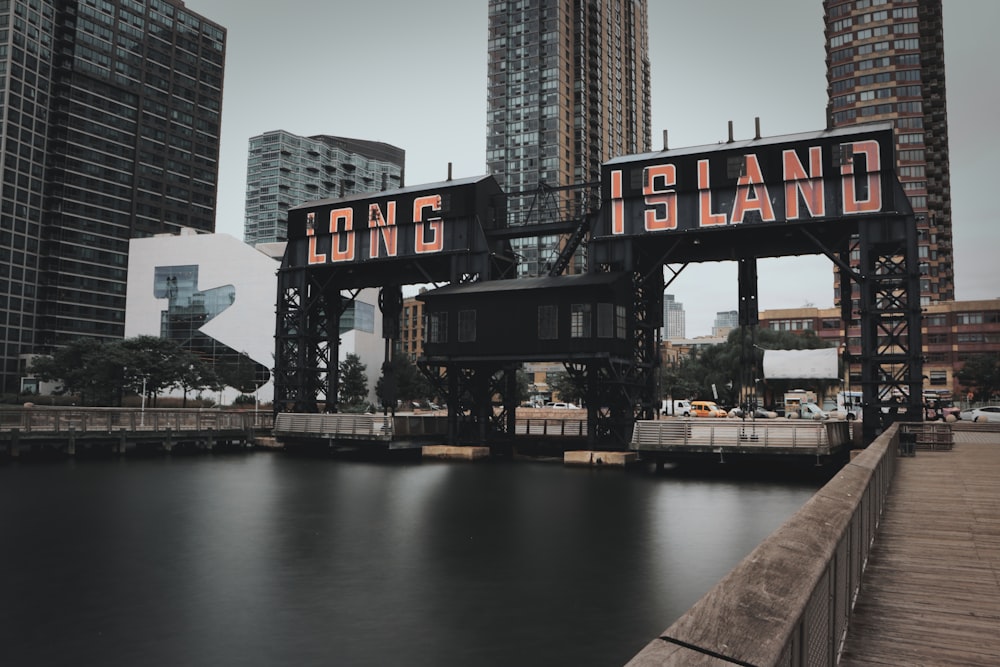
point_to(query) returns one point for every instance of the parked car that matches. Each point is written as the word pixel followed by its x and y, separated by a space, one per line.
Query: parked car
pixel 990 413
pixel 812 411
pixel 562 406
pixel 680 408
pixel 706 409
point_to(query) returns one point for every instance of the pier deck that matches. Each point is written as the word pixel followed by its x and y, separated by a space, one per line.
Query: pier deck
pixel 931 592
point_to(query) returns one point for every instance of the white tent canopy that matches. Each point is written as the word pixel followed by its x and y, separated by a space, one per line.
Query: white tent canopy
pixel 801 364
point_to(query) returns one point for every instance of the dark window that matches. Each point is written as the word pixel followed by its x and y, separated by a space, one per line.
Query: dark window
pixel 466 326
pixel 605 320
pixel 437 328
pixel 548 320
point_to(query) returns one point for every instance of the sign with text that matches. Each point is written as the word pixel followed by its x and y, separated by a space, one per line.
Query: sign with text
pixel 825 175
pixel 411 222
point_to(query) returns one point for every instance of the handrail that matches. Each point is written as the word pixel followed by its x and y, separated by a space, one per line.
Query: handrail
pixel 788 602
pixel 45 419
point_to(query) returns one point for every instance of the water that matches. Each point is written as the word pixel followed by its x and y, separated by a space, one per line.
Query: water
pixel 266 559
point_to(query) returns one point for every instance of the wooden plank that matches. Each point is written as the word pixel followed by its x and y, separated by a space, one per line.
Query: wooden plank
pixel 931 592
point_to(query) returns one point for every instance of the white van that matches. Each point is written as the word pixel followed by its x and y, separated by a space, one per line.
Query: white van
pixel 812 411
pixel 679 408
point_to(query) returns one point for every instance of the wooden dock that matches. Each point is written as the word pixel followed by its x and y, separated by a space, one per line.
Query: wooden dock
pixel 931 592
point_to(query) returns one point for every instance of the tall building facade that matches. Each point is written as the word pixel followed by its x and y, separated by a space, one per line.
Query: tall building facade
pixel 285 170
pixel 725 321
pixel 674 319
pixel 568 89
pixel 885 61
pixel 109 125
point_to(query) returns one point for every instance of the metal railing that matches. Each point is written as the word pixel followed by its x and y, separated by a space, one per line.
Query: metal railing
pixel 65 419
pixel 788 603
pixel 664 433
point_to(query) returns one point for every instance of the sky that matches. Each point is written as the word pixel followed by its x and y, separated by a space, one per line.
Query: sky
pixel 414 75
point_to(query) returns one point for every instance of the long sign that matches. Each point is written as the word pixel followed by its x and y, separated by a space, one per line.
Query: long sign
pixel 410 222
pixel 830 174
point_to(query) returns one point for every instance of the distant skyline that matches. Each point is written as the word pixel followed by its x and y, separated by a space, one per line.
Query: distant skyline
pixel 381 71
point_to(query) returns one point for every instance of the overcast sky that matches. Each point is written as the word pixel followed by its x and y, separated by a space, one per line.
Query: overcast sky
pixel 414 75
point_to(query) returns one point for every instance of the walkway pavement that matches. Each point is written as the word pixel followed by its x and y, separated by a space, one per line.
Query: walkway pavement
pixel 930 596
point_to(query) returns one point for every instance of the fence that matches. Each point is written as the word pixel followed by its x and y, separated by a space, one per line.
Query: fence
pixel 789 601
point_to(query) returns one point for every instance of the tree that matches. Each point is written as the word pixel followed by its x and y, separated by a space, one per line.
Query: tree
pixel 409 383
pixel 88 368
pixel 353 381
pixel 981 375
pixel 195 374
pixel 734 364
pixel 567 387
pixel 101 372
pixel 152 364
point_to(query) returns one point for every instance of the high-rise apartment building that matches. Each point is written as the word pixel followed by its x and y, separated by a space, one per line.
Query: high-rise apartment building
pixel 109 124
pixel 285 170
pixel 568 90
pixel 885 61
pixel 674 320
pixel 725 321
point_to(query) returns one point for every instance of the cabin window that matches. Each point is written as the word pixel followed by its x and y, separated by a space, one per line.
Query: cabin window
pixel 548 321
pixel 621 322
pixel 437 328
pixel 580 321
pixel 605 320
pixel 466 326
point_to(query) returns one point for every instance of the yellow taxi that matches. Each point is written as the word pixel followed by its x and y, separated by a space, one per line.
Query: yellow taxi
pixel 706 409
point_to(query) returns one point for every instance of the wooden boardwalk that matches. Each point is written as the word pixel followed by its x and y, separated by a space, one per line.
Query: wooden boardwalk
pixel 930 596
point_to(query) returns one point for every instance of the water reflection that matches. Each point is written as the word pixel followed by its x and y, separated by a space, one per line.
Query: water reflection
pixel 264 559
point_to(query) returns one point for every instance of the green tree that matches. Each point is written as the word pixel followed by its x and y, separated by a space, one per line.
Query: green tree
pixel 353 382
pixel 152 364
pixel 195 375
pixel 409 383
pixel 101 372
pixel 87 368
pixel 981 375
pixel 567 387
pixel 734 364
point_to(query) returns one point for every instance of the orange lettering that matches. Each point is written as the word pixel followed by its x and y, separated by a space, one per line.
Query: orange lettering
pixel 433 226
pixel 753 180
pixel 342 240
pixel 382 228
pixel 705 215
pixel 873 202
pixel 810 187
pixel 314 257
pixel 657 198
pixel 617 203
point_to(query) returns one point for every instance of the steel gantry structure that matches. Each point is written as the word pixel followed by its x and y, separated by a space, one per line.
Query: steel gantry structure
pixel 827 192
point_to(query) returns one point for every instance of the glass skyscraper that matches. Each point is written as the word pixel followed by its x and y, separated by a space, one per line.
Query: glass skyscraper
pixel 568 90
pixel 285 170
pixel 110 130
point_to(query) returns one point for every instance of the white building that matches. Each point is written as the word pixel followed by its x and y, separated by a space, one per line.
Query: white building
pixel 674 319
pixel 216 295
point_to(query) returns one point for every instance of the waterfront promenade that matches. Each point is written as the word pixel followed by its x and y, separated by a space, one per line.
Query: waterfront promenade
pixel 931 592
pixel 912 541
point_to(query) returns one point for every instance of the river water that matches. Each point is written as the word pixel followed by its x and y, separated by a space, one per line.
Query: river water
pixel 268 559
